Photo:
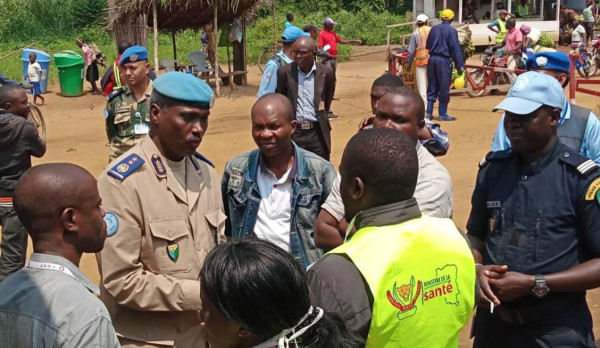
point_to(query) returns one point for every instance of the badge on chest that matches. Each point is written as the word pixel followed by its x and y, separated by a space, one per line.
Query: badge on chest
pixel 173 251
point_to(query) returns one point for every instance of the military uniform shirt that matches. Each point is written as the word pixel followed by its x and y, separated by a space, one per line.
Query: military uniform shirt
pixel 127 119
pixel 537 218
pixel 159 235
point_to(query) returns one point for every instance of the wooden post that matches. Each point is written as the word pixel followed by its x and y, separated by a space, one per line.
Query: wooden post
pixel 216 40
pixel 155 25
pixel 274 30
pixel 174 45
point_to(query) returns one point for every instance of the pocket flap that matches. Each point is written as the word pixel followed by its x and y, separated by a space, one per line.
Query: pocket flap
pixel 122 117
pixel 305 199
pixel 215 217
pixel 168 229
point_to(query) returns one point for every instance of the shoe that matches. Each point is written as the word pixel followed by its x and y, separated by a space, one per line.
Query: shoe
pixel 335 98
pixel 446 118
pixel 429 116
pixel 332 116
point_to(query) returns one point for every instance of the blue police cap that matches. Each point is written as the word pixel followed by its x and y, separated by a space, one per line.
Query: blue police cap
pixel 557 61
pixel 133 54
pixel 290 34
pixel 186 88
pixel 530 91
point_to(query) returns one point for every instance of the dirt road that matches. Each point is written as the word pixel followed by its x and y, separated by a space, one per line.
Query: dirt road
pixel 76 133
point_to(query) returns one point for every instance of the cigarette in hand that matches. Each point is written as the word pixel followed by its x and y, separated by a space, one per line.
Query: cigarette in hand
pixel 491 306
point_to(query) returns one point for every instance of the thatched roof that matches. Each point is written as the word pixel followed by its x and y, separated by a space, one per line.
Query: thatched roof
pixel 181 14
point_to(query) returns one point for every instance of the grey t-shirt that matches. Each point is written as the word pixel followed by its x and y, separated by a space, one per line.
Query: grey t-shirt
pixel 433 191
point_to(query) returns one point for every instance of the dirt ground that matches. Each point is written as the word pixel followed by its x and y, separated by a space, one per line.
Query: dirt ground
pixel 75 128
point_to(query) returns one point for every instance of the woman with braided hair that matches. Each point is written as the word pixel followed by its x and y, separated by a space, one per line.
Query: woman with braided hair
pixel 254 294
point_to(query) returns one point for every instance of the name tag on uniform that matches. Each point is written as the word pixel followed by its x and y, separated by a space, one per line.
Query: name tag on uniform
pixel 141 129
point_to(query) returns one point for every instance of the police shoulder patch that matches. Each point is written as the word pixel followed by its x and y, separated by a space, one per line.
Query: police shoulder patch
pixel 112 95
pixel 126 166
pixel 593 190
pixel 583 165
pixel 202 158
pixel 494 156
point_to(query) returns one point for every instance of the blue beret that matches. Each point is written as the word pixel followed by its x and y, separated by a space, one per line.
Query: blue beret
pixel 185 88
pixel 557 61
pixel 133 54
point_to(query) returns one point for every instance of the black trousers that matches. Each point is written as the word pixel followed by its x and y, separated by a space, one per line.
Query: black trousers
pixel 571 327
pixel 311 140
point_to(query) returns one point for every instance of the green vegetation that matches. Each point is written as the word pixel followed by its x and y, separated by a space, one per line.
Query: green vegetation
pixel 54 25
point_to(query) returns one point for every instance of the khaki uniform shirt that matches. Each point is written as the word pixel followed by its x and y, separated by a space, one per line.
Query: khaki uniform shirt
pixel 150 266
pixel 127 120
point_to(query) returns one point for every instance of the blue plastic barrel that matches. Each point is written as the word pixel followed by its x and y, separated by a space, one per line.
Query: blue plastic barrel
pixel 44 59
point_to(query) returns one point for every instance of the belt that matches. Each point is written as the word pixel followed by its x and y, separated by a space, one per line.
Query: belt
pixel 522 315
pixel 307 126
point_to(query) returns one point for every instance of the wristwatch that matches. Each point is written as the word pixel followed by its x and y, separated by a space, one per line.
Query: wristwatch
pixel 540 289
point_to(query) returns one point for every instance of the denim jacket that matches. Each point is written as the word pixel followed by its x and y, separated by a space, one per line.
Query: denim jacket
pixel 310 189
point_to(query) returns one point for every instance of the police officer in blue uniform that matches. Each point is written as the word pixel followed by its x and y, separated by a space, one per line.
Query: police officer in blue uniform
pixel 578 127
pixel 535 228
pixel 443 45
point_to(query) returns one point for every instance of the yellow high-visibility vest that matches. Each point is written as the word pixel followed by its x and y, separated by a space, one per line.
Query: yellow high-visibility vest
pixel 117 74
pixel 502 33
pixel 422 53
pixel 421 274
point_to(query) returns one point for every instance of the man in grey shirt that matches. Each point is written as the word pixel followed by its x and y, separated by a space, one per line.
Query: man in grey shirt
pixel 50 302
pixel 401 109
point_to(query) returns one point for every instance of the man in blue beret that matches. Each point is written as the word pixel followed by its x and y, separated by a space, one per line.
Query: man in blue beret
pixel 127 110
pixel 268 83
pixel 164 213
pixel 578 127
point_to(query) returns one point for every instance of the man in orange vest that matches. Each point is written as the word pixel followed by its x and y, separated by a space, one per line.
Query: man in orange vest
pixel 418 53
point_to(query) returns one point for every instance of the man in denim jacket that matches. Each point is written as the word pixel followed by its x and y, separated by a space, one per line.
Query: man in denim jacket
pixel 276 191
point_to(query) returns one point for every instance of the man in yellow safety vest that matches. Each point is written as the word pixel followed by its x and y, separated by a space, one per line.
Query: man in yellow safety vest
pixel 419 54
pixel 498 26
pixel 404 279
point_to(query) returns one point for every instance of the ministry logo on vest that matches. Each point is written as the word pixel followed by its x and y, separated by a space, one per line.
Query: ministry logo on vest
pixel 442 289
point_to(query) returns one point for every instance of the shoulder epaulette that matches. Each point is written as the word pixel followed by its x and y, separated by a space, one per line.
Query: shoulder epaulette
pixel 199 156
pixel 584 165
pixel 112 95
pixel 125 167
pixel 495 155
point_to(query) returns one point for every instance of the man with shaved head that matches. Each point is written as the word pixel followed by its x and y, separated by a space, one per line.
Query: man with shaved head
pixel 275 192
pixel 19 140
pixel 306 84
pixel 50 302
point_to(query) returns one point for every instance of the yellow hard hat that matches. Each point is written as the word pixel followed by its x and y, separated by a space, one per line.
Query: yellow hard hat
pixel 459 82
pixel 447 14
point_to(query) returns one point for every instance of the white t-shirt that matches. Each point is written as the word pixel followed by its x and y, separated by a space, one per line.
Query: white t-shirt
pixel 578 33
pixel 33 70
pixel 274 217
pixel 433 191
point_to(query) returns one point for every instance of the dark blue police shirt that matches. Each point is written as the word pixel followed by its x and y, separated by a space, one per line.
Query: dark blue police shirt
pixel 535 218
pixel 443 41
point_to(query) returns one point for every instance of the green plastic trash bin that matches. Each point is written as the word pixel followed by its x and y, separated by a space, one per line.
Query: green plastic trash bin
pixel 70 73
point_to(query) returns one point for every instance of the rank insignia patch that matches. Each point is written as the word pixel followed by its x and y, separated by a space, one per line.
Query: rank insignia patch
pixel 126 166
pixel 158 165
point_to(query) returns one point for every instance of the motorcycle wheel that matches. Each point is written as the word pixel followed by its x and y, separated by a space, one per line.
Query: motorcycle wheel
pixel 478 76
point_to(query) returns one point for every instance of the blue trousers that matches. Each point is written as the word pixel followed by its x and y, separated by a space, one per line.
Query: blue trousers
pixel 439 72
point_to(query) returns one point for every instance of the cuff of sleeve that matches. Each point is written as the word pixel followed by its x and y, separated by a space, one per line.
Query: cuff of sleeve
pixel 338 215
pixel 191 295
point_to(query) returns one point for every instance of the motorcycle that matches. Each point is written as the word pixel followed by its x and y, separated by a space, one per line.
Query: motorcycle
pixel 491 58
pixel 592 60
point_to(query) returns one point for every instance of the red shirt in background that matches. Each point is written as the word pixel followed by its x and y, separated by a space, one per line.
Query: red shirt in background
pixel 111 83
pixel 329 37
